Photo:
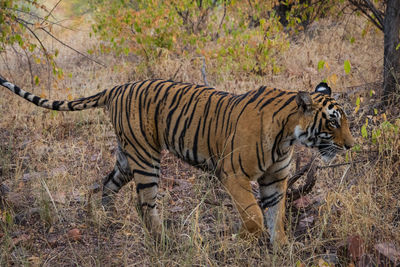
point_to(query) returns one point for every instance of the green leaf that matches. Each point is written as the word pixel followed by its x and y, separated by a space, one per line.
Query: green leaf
pixel 347 66
pixel 364 132
pixel 352 40
pixel 356 148
pixel 321 65
pixel 398 47
pixel 36 78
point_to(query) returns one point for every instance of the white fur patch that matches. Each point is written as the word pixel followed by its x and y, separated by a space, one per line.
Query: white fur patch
pixel 9 85
pixel 297 131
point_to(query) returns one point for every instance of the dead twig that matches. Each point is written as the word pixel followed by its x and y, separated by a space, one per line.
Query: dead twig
pixel 307 187
pixel 50 13
pixel 301 172
pixel 176 72
pixel 203 72
pixel 342 164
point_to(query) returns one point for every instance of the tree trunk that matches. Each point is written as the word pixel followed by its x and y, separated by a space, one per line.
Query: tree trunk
pixel 391 63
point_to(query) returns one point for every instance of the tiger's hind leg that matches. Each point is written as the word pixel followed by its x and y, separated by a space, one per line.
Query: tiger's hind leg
pixel 147 188
pixel 116 179
pixel 146 176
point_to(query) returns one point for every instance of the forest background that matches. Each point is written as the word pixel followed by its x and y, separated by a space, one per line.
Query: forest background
pixel 51 163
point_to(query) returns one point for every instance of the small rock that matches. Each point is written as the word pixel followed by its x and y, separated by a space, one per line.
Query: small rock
pixel 24 217
pixel 4 189
pixel 331 259
pixel 34 261
pixel 20 239
pixel 59 197
pixel 74 234
pixel 52 240
pixel 33 175
pixel 95 188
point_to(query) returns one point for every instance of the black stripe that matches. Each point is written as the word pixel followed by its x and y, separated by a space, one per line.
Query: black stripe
pixel 269 101
pixel 36 100
pixel 282 168
pixel 260 167
pixel 283 106
pixel 241 167
pixel 17 90
pixel 109 177
pixel 272 202
pixel 56 105
pixel 149 205
pixel 144 186
pixel 116 183
pixel 271 183
pixel 70 107
pixel 195 143
pixel 206 111
pixel 251 205
pixel 26 95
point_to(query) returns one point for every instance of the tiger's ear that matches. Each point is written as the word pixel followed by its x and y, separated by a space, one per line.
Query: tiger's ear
pixel 323 88
pixel 304 101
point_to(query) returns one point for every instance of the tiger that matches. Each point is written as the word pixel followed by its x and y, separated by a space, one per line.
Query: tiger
pixel 240 138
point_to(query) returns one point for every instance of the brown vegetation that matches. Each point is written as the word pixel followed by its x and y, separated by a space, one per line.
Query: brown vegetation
pixel 51 162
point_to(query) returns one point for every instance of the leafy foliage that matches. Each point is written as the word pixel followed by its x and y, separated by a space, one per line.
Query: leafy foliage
pixel 242 36
pixel 19 23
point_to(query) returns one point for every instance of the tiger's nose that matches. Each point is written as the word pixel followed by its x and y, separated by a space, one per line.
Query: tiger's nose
pixel 349 144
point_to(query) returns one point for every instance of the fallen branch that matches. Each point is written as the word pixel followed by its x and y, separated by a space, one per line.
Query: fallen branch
pixel 300 172
pixel 295 194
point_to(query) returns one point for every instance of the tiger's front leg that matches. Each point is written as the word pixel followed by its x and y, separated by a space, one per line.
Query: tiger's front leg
pixel 273 188
pixel 240 190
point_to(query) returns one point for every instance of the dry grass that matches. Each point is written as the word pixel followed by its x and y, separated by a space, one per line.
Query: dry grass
pixel 50 160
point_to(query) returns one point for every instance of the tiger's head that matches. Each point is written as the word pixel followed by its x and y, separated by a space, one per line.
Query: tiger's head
pixel 322 123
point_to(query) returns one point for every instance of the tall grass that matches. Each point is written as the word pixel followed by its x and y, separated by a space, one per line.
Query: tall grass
pixel 50 160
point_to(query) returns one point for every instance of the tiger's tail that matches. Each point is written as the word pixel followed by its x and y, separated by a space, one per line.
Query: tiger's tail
pixel 94 101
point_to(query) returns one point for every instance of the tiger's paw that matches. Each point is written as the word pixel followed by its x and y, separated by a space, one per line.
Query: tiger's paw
pixel 280 240
pixel 251 230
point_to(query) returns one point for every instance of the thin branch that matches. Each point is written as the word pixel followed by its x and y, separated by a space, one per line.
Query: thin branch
pixel 51 11
pixel 222 19
pixel 342 164
pixel 376 12
pixel 57 23
pixel 176 72
pixel 30 66
pixel 73 49
pixel 377 20
pixel 26 23
pixel 5 60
